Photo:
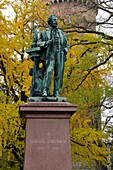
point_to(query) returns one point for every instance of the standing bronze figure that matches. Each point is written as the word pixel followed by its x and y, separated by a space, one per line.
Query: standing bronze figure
pixel 49 51
pixel 55 50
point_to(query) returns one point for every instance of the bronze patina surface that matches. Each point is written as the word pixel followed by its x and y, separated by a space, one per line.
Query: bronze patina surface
pixel 48 52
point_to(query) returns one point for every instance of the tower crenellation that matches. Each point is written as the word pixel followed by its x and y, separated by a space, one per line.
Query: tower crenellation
pixel 78 2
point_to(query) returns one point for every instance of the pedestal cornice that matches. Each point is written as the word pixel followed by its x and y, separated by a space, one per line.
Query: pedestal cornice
pixel 48 109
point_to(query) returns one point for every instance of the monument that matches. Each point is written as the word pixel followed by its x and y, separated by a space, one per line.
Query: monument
pixel 47 144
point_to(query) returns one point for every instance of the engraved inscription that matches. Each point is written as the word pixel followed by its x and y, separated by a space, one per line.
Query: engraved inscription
pixel 48 144
pixel 41 148
pixel 55 141
pixel 49 141
pixel 47 148
pixel 37 141
pixel 55 148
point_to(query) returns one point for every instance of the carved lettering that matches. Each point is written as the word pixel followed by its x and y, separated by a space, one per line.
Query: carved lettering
pixel 49 141
pixel 55 148
pixel 55 141
pixel 37 141
pixel 41 148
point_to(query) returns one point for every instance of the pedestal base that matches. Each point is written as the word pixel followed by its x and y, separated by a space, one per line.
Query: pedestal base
pixel 47 135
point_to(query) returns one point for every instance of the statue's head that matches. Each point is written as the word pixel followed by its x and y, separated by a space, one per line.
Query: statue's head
pixel 52 21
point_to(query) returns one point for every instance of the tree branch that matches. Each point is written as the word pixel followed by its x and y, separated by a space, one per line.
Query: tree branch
pixel 93 68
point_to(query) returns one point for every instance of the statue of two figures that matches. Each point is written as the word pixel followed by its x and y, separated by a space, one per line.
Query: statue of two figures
pixel 48 52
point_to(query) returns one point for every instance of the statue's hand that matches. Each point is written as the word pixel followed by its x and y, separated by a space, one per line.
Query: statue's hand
pixel 49 42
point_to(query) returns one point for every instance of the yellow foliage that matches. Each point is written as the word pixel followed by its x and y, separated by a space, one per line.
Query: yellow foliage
pixel 87 143
pixel 11 129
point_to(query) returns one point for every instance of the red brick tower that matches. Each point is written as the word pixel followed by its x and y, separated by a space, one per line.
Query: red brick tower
pixel 83 11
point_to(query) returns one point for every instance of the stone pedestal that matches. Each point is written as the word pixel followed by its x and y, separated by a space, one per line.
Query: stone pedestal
pixel 47 145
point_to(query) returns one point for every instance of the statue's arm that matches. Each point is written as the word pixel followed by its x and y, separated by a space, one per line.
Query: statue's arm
pixel 43 39
pixel 66 45
pixel 66 48
pixel 65 42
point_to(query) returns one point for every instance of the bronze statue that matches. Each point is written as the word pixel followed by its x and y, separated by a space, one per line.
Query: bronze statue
pixel 50 50
pixel 55 50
